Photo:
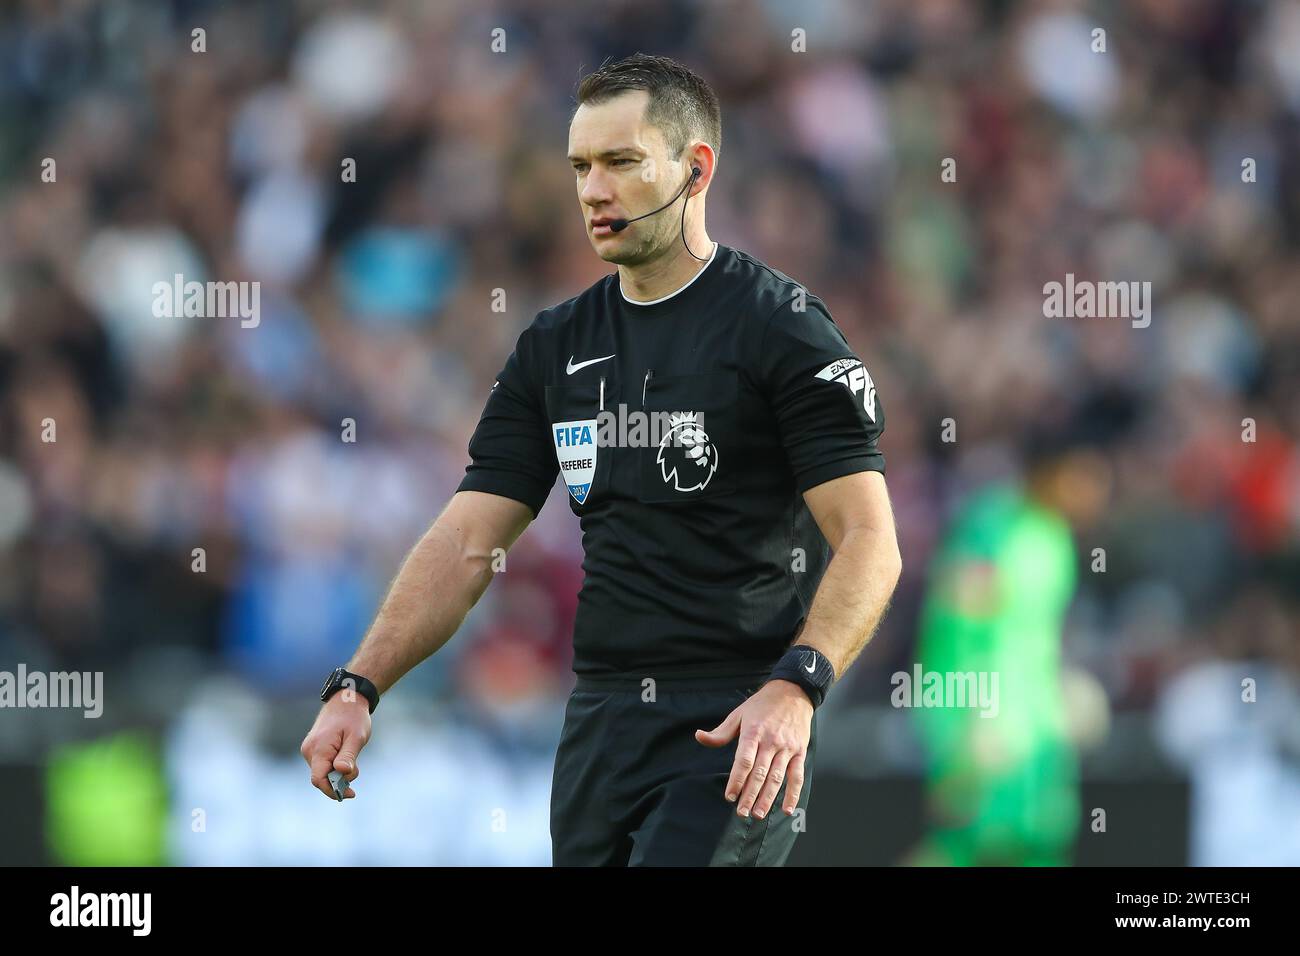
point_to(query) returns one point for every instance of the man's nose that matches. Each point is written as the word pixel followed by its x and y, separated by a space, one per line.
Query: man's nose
pixel 596 188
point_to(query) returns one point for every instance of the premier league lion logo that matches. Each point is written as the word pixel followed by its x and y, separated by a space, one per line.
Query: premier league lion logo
pixel 687 458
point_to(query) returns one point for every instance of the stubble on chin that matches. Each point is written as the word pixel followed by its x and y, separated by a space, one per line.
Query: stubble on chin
pixel 631 253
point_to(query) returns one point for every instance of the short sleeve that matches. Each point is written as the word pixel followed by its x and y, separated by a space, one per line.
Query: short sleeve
pixel 509 454
pixel 825 403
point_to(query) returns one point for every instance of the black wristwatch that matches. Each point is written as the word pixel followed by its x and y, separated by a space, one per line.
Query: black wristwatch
pixel 809 669
pixel 340 678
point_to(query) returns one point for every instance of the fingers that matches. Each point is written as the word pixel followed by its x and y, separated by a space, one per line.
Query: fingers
pixel 317 750
pixel 773 745
pixel 794 783
pixel 333 744
pixel 320 767
pixel 346 760
pixel 323 756
pixel 758 774
pixel 746 752
pixel 772 785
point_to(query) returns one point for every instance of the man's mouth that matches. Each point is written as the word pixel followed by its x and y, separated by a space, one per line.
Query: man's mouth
pixel 600 226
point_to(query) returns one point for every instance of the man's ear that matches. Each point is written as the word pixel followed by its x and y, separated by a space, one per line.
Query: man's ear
pixel 701 155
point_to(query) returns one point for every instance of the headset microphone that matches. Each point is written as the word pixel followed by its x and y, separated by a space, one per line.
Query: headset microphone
pixel 618 225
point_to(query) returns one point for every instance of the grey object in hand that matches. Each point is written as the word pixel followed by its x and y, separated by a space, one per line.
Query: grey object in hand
pixel 340 785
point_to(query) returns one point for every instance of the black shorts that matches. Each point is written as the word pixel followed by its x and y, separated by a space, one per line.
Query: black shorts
pixel 633 787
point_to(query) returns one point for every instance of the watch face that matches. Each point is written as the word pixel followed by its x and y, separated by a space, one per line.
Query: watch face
pixel 329 681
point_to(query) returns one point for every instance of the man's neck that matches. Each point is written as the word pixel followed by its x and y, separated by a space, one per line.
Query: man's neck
pixel 664 276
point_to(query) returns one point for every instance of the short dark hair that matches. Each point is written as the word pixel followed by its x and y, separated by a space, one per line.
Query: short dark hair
pixel 681 104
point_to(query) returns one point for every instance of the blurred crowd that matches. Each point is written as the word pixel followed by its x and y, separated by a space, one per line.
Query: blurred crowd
pixel 1124 162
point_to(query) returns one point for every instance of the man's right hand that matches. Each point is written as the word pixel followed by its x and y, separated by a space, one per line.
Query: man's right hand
pixel 342 728
pixel 439 582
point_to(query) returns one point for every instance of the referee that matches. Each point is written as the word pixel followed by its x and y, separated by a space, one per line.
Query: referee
pixel 717 436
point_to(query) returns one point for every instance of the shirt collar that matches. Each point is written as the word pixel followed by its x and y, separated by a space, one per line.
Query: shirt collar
pixel 665 298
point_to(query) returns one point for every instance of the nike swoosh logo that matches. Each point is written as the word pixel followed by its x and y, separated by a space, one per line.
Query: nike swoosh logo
pixel 573 368
pixel 813 666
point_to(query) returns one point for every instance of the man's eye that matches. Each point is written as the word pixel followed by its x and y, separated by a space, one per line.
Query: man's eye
pixel 620 161
pixel 580 167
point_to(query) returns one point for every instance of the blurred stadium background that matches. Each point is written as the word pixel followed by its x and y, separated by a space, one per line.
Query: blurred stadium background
pixel 176 434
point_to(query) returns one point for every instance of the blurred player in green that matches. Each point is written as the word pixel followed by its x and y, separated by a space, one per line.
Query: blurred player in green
pixel 1002 781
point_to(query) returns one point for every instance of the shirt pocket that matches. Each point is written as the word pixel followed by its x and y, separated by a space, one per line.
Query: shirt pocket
pixel 571 413
pixel 694 435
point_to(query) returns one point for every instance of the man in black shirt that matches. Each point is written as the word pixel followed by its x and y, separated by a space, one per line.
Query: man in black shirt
pixel 717 436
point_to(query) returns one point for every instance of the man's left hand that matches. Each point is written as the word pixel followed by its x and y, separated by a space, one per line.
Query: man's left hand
pixel 774 726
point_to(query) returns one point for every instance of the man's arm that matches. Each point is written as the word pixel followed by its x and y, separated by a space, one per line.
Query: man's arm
pixel 853 513
pixel 441 579
pixel 511 471
pixel 439 582
pixel 829 417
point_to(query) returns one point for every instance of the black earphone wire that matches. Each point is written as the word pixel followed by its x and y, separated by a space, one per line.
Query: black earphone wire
pixel 689 183
pixel 621 224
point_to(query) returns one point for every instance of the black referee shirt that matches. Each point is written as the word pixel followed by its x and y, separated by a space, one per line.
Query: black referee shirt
pixel 700 554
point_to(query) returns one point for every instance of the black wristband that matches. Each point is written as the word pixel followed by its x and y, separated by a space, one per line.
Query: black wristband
pixel 807 667
pixel 340 678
